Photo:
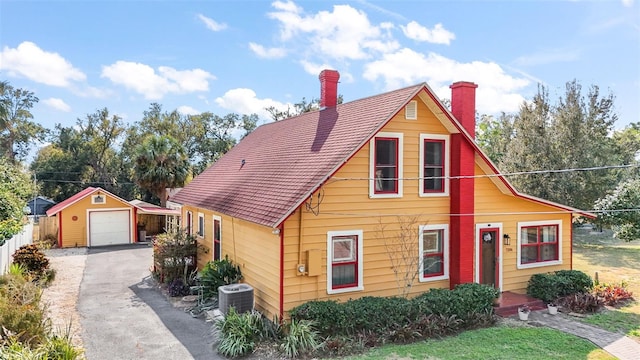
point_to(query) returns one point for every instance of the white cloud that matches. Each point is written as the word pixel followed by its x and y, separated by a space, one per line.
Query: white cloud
pixel 144 80
pixel 627 3
pixel 212 24
pixel 57 104
pixel 188 110
pixel 244 101
pixel 344 33
pixel 271 53
pixel 498 91
pixel 315 69
pixel 437 35
pixel 33 63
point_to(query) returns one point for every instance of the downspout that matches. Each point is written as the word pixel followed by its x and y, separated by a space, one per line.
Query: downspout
pixel 281 272
pixel 570 242
pixel 300 237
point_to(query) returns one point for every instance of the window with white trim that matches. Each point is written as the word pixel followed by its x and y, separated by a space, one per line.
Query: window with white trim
pixel 386 165
pixel 434 165
pixel 344 261
pixel 201 224
pixel 217 237
pixel 539 243
pixel 98 199
pixel 434 252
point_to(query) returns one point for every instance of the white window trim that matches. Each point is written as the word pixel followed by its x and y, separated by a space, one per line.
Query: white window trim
pixel 447 166
pixel 520 265
pixel 330 235
pixel 372 165
pixel 413 104
pixel 445 244
pixel 201 219
pixel 213 236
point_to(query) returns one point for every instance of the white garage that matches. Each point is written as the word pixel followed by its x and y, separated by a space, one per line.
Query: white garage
pixel 109 227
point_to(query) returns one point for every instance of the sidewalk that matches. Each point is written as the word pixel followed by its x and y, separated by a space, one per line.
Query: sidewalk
pixel 616 344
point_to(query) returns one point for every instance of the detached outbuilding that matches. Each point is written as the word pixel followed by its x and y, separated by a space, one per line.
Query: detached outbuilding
pixel 96 217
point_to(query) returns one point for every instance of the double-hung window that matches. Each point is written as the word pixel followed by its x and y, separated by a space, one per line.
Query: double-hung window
pixel 201 224
pixel 539 243
pixel 386 165
pixel 217 237
pixel 434 169
pixel 344 261
pixel 434 252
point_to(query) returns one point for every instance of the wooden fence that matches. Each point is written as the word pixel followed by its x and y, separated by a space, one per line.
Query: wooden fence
pixel 47 228
pixel 10 246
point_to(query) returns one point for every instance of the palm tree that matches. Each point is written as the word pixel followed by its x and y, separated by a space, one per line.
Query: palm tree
pixel 160 163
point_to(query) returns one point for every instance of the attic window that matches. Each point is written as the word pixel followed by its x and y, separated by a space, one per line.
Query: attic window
pixel 98 199
pixel 411 110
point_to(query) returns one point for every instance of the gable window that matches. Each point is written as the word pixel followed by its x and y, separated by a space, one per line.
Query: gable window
pixel 189 223
pixel 539 243
pixel 201 224
pixel 344 261
pixel 386 165
pixel 434 252
pixel 98 199
pixel 217 237
pixel 434 169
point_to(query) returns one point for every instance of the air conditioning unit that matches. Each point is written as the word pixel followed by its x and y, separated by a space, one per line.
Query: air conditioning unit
pixel 239 296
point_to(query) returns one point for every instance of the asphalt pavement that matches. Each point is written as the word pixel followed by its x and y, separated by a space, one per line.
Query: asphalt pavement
pixel 124 316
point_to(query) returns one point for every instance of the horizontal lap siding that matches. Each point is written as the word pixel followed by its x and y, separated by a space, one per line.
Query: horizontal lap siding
pixel 74 233
pixel 254 247
pixel 346 206
pixel 490 200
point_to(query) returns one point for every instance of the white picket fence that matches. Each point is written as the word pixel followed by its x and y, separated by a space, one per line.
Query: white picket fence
pixel 10 246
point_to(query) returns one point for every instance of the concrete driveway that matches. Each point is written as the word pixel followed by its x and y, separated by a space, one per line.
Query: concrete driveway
pixel 124 317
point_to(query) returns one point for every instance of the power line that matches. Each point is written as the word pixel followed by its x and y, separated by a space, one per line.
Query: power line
pixel 553 171
pixel 473 214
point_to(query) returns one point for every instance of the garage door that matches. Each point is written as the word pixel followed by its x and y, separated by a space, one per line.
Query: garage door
pixel 109 227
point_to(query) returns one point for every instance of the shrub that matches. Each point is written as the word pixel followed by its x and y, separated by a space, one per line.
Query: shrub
pixel 32 260
pixel 582 303
pixel 238 333
pixel 218 273
pixel 178 288
pixel 21 314
pixel 613 294
pixel 328 316
pixel 551 286
pixel 299 338
pixel 468 305
pixel 577 281
pixel 174 256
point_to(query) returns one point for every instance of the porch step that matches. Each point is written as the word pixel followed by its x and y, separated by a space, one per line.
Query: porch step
pixel 509 302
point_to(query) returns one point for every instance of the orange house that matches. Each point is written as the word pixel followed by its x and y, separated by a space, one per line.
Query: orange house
pixel 313 207
pixel 96 217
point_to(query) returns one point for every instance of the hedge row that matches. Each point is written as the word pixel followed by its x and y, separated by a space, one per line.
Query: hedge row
pixel 549 287
pixel 381 315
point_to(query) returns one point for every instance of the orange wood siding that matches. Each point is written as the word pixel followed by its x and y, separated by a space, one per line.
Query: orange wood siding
pixel 254 247
pixel 346 206
pixel 500 208
pixel 74 233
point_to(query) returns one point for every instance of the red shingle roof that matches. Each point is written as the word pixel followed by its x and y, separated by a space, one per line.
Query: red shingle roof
pixel 266 176
pixel 73 199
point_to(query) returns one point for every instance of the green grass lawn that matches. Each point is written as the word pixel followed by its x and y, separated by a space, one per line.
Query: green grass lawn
pixel 502 342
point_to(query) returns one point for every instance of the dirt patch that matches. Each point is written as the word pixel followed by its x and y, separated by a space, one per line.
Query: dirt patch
pixel 61 296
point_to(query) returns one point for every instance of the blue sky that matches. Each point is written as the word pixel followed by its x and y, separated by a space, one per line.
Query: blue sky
pixel 243 56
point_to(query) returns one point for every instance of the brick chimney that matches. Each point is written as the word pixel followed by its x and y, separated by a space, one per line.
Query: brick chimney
pixel 462 198
pixel 463 105
pixel 329 88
